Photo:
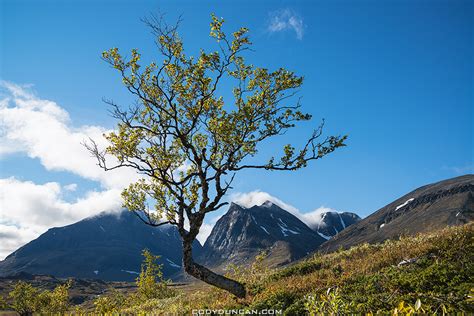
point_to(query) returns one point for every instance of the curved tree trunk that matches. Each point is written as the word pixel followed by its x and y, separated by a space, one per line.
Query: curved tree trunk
pixel 204 274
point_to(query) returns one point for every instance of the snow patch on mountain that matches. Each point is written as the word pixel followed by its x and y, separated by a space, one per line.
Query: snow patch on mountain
pixel 404 204
pixel 324 236
pixel 342 221
pixel 279 219
pixel 265 230
pixel 253 218
pixel 171 263
pixel 285 231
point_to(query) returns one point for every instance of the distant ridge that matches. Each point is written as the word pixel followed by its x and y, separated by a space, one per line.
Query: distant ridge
pixel 430 207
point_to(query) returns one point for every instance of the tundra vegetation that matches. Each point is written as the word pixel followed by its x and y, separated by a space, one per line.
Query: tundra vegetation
pixel 26 299
pixel 424 274
pixel 188 143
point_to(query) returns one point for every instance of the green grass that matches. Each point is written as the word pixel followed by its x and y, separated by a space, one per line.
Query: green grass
pixel 365 279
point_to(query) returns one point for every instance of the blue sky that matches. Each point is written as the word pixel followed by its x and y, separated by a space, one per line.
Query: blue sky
pixel 396 76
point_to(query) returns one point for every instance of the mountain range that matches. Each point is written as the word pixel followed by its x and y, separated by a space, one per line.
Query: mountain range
pixel 108 246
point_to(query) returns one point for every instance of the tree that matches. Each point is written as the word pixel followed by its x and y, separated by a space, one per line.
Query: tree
pixel 24 298
pixel 55 301
pixel 27 299
pixel 150 282
pixel 112 303
pixel 187 143
pixel 150 285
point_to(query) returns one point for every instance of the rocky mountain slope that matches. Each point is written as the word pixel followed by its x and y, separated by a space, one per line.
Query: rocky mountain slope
pixel 331 223
pixel 445 203
pixel 106 247
pixel 242 233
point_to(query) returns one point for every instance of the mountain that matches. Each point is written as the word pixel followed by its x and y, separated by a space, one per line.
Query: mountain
pixel 242 233
pixel 331 223
pixel 445 203
pixel 106 246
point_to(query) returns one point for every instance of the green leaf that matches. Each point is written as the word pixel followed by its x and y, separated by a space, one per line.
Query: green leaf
pixel 417 304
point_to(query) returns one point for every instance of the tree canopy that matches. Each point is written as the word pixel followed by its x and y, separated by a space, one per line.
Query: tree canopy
pixel 186 140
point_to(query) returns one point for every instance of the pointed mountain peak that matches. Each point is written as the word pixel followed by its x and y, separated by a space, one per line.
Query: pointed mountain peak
pixel 109 244
pixel 267 204
pixel 236 206
pixel 241 234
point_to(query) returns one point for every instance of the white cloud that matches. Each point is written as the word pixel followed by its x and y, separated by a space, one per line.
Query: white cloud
pixel 42 129
pixel 29 209
pixel 71 187
pixel 12 237
pixel 286 19
pixel 204 232
pixel 258 198
pixel 461 170
pixel 313 219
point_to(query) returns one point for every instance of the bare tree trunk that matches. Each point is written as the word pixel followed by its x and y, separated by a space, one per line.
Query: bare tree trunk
pixel 204 274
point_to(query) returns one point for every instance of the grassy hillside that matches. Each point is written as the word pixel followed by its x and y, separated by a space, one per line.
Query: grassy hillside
pixel 430 273
pixel 435 270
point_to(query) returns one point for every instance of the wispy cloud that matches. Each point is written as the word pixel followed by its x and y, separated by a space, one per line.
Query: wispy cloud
pixel 286 19
pixel 460 170
pixel 257 197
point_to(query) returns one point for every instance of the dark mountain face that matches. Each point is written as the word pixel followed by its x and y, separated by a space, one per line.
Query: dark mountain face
pixel 242 233
pixel 332 223
pixel 431 207
pixel 107 247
